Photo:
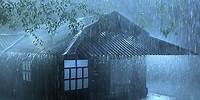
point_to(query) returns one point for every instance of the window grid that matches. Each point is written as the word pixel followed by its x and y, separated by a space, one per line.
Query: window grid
pixel 70 79
pixel 26 71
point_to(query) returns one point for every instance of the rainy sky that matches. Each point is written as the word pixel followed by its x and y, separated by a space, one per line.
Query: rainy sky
pixel 177 18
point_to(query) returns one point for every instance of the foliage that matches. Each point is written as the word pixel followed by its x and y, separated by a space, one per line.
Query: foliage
pixel 174 12
pixel 31 15
pixel 142 19
pixel 170 15
pixel 169 29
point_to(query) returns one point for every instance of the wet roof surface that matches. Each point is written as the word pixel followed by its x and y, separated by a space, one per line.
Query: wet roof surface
pixel 124 45
pixel 112 35
pixel 121 37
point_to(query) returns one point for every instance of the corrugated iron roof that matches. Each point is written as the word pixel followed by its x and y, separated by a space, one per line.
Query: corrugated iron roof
pixel 7 40
pixel 15 41
pixel 121 45
pixel 114 35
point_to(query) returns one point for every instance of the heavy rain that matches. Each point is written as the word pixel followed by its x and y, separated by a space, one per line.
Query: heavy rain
pixel 99 49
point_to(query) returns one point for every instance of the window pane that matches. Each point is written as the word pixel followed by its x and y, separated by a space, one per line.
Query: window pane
pixel 79 84
pixel 66 73
pixel 24 66
pixel 85 83
pixel 66 85
pixel 73 73
pixel 69 63
pixel 85 72
pixel 29 76
pixel 82 63
pixel 24 75
pixel 29 66
pixel 73 84
pixel 79 73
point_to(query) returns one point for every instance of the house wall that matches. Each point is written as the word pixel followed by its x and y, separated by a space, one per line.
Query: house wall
pixel 118 78
pixel 99 78
pixel 9 78
pixel 46 73
pixel 43 73
pixel 108 78
pixel 128 77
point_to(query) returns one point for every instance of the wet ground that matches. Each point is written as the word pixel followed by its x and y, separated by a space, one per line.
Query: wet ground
pixel 156 96
pixel 178 91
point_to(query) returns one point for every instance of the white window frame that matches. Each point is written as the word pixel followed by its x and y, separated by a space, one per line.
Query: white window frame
pixel 26 71
pixel 73 83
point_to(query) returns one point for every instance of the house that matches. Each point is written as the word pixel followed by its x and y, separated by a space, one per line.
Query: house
pixel 105 61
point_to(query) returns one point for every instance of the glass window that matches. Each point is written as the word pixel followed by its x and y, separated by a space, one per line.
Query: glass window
pixel 85 72
pixel 79 84
pixel 69 63
pixel 79 73
pixel 75 74
pixel 82 63
pixel 85 83
pixel 66 74
pixel 66 85
pixel 24 75
pixel 28 76
pixel 26 71
pixel 28 66
pixel 23 66
pixel 73 84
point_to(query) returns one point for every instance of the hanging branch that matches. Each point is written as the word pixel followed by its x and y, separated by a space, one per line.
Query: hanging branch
pixel 30 15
